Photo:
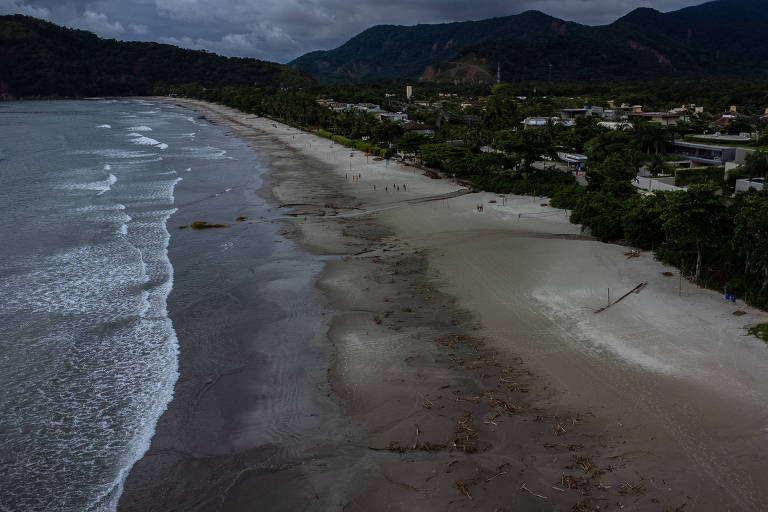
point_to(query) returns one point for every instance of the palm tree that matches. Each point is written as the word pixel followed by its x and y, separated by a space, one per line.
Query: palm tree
pixel 652 136
pixel 657 165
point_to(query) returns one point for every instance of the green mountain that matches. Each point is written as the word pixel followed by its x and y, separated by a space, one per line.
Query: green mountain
pixel 723 38
pixel 393 51
pixel 40 59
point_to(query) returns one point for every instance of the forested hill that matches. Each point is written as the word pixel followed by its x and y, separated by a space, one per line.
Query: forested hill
pixel 723 38
pixel 393 51
pixel 41 59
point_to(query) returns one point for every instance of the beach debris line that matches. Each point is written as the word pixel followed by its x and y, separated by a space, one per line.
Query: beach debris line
pixel 533 493
pixel 464 488
pixel 636 289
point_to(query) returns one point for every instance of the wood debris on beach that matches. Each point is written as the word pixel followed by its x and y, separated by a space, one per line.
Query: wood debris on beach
pixel 636 289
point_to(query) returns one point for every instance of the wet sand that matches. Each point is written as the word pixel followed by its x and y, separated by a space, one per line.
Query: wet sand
pixel 456 362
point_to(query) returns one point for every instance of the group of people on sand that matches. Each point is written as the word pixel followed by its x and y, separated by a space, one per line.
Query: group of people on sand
pixel 395 186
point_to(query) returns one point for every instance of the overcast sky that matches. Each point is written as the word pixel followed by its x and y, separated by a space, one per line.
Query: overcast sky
pixel 280 30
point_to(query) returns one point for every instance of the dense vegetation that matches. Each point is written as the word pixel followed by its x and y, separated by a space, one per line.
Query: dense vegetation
pixel 395 52
pixel 720 38
pixel 643 44
pixel 38 58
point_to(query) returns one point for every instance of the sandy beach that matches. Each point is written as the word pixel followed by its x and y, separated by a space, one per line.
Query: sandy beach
pixel 435 357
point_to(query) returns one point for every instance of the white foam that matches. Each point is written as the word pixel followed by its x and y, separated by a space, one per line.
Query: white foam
pixel 189 169
pixel 140 129
pixel 116 153
pixel 227 190
pixel 206 152
pixel 101 208
pixel 98 186
pixel 111 180
pixel 96 394
pixel 146 141
pixel 104 126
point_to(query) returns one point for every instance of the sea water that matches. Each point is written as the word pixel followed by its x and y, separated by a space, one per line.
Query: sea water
pixel 88 353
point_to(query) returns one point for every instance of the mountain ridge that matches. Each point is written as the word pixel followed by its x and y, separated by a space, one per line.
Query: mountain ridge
pixel 41 59
pixel 718 38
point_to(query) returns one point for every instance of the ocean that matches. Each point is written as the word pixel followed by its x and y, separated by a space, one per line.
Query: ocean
pixel 88 351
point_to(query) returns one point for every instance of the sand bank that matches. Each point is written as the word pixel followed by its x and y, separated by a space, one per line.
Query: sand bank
pixel 470 368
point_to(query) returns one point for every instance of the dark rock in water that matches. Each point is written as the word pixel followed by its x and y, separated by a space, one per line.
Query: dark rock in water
pixel 199 224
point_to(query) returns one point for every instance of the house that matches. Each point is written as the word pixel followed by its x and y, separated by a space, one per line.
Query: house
pixel 338 107
pixel 615 125
pixel 419 128
pixel 537 122
pixel 704 154
pixel 393 116
pixel 665 118
pixel 574 160
pixel 573 113
pixel 724 121
pixel 368 107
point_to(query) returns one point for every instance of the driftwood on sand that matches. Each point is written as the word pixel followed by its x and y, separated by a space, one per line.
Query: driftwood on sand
pixel 633 290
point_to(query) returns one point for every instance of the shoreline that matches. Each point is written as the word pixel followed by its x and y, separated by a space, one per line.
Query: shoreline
pixel 428 331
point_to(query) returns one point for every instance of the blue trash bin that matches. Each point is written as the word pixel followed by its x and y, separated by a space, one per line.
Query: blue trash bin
pixel 733 299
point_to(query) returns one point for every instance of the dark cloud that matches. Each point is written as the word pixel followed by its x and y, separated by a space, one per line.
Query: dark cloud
pixel 280 30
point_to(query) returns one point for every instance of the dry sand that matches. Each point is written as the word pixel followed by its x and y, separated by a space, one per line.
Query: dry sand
pixel 470 361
